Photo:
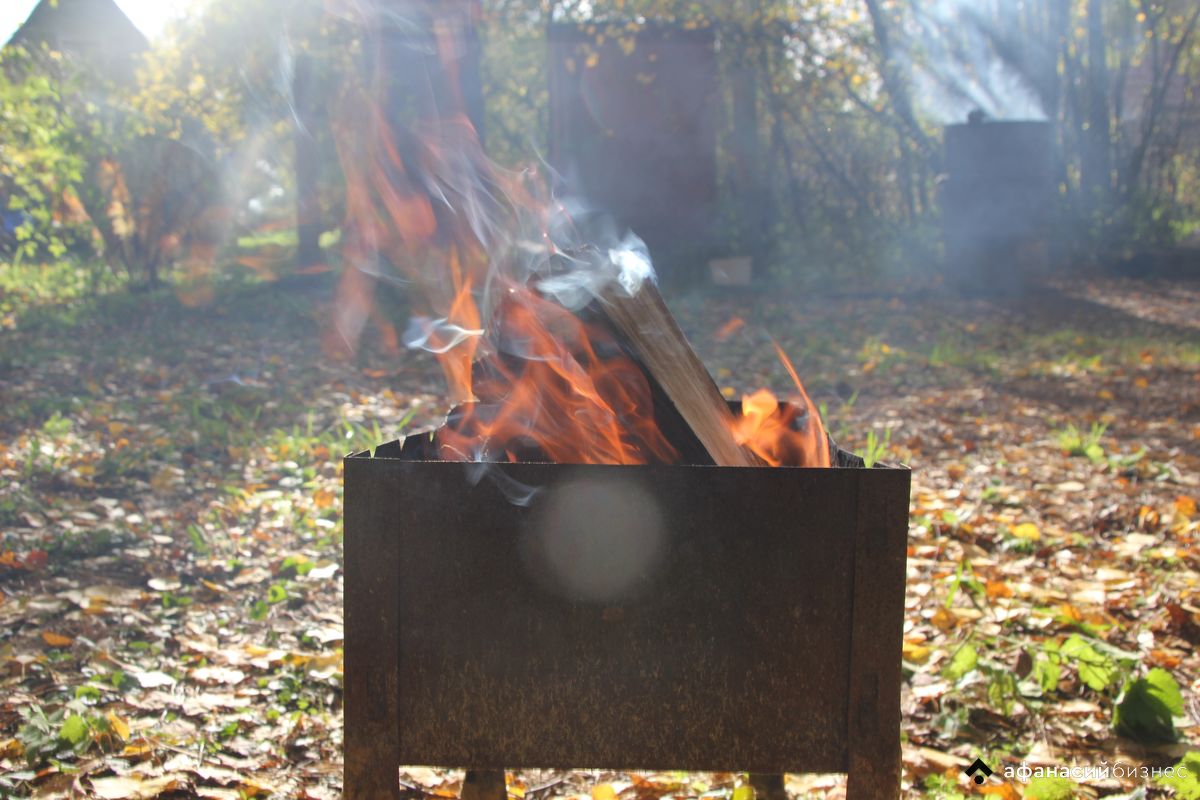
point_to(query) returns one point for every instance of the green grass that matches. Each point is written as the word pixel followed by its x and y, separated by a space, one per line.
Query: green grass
pixel 26 285
pixel 1079 442
pixel 876 448
pixel 284 238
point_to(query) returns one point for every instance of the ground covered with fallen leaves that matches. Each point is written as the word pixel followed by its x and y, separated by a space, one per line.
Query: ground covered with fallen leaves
pixel 170 533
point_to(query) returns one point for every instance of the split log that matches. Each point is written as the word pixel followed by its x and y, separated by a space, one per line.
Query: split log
pixel 647 325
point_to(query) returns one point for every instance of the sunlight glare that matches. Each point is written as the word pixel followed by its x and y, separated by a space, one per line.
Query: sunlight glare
pixel 150 16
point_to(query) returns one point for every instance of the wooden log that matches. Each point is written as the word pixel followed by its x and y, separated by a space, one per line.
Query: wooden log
pixel 646 323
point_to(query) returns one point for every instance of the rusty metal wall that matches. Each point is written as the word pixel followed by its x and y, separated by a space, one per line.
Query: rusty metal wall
pixel 656 617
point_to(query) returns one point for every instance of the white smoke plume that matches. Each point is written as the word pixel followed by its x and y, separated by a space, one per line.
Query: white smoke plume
pixel 969 55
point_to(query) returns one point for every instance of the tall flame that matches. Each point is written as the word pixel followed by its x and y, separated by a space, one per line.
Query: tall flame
pixel 783 435
pixel 536 380
pixel 557 389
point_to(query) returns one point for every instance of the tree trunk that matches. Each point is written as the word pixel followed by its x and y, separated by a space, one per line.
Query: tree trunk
pixel 747 158
pixel 895 83
pixel 308 207
pixel 1097 155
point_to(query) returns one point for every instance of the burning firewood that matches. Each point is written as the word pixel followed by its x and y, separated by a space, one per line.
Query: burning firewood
pixel 647 324
pixel 514 279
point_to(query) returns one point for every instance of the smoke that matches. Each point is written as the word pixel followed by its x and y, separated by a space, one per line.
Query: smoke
pixel 969 55
pixel 437 336
pixel 597 258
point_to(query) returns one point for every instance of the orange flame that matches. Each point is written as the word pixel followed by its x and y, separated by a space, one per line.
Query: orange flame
pixel 545 384
pixel 789 435
pixel 550 391
pixel 456 360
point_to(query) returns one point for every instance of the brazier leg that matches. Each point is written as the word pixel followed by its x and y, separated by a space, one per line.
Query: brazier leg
pixel 873 771
pixel 372 607
pixel 768 786
pixel 480 784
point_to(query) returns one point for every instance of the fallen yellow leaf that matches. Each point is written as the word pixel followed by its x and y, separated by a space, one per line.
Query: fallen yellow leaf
pixel 604 791
pixel 917 653
pixel 1070 613
pixel 138 749
pixel 119 726
pixel 1027 531
pixel 1148 518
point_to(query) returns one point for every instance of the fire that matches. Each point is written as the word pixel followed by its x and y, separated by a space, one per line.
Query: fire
pixel 535 380
pixel 555 389
pixel 457 357
pixel 547 393
pixel 780 435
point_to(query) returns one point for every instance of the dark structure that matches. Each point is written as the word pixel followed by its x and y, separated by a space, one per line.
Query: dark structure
pixel 633 121
pixel 96 31
pixel 626 617
pixel 998 202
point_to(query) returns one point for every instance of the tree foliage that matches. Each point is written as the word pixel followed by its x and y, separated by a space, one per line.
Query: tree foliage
pixel 850 98
pixel 829 143
pixel 41 158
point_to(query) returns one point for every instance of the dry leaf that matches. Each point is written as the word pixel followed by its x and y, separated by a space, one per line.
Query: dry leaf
pixel 944 620
pixel 1027 531
pixel 604 791
pixel 134 788
pixel 998 589
pixel 215 675
pixel 1004 791
pixel 119 726
pixel 1185 506
pixel 56 639
pixel 153 680
pixel 164 584
pixel 916 653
